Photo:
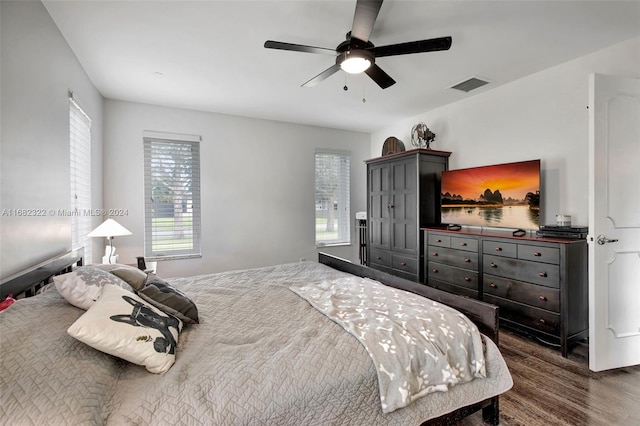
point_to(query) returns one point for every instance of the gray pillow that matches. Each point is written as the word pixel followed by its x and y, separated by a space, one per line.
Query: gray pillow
pixel 169 299
pixel 132 276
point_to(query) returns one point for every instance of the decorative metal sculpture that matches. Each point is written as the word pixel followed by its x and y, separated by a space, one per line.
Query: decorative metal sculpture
pixel 421 136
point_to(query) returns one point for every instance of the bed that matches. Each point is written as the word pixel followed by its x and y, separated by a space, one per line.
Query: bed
pixel 260 355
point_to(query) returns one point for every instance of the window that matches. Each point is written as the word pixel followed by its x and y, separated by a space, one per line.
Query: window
pixel 172 197
pixel 332 198
pixel 80 171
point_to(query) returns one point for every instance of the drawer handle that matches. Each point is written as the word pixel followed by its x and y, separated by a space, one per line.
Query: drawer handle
pixel 544 299
pixel 378 257
pixel 493 265
pixel 435 271
pixel 438 241
pixel 467 260
pixel 498 248
pixel 537 254
pixel 492 285
pixel 403 263
pixel 467 279
pixel 541 321
pixel 434 254
pixel 543 274
pixel 463 244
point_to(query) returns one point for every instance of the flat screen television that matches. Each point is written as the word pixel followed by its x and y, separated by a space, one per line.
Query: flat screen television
pixel 502 195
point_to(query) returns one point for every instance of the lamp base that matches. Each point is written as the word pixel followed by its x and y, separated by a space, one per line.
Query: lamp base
pixel 107 260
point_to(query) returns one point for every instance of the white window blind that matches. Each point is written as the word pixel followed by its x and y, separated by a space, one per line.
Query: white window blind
pixel 172 197
pixel 80 171
pixel 332 198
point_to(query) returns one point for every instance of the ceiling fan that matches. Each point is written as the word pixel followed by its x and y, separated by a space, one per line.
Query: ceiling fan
pixel 357 54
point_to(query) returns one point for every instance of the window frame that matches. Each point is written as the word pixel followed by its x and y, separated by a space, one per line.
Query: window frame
pixel 178 142
pixel 343 201
pixel 80 178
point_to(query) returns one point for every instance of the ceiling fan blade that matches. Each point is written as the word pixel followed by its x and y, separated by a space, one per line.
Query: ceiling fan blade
pixel 270 44
pixel 322 76
pixel 364 18
pixel 431 45
pixel 380 77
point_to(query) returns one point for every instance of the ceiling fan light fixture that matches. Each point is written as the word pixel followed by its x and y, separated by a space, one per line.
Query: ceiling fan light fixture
pixel 355 61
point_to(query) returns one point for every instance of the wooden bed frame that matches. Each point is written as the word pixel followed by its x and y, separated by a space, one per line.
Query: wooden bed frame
pixel 485 316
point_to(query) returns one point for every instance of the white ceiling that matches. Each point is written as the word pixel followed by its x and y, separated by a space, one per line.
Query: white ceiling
pixel 210 54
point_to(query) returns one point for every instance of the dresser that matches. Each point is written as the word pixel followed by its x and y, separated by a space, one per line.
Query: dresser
pixel 540 284
pixel 403 196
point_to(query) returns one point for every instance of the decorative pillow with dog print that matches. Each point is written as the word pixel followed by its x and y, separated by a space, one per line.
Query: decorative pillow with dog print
pixel 123 325
pixel 83 286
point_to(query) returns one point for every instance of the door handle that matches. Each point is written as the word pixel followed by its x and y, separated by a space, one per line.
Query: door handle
pixel 602 240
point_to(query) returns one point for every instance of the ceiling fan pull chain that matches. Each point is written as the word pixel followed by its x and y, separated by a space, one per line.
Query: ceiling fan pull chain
pixel 364 97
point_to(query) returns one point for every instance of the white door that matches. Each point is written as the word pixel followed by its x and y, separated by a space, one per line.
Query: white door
pixel 614 222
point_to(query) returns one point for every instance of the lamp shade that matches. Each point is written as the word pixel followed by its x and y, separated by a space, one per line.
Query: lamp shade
pixel 109 228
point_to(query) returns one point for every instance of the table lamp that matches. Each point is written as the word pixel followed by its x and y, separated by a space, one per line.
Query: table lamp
pixel 109 229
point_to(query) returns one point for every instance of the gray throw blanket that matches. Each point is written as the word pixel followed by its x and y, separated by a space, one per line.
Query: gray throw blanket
pixel 418 347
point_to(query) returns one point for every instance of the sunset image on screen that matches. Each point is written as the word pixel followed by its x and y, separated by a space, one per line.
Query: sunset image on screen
pixel 498 195
pixel 513 180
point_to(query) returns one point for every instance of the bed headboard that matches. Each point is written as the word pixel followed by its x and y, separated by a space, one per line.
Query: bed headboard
pixel 28 282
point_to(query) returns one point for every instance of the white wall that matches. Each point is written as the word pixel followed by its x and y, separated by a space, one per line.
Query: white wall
pixel 38 69
pixel 540 116
pixel 257 185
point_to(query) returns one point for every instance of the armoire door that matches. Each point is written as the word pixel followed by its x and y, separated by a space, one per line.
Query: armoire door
pixel 403 209
pixel 379 201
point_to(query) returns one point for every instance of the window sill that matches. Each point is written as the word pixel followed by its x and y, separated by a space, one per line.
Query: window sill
pixel 322 245
pixel 174 257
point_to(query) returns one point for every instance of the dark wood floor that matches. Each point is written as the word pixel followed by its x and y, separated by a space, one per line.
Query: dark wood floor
pixel 551 390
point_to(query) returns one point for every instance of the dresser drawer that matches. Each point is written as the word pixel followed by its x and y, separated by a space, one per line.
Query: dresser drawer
pixel 539 254
pixel 500 248
pixel 453 275
pixel 380 257
pixel 522 270
pixel 540 319
pixel 466 244
pixel 535 295
pixel 439 240
pixel 404 264
pixel 458 258
pixel 464 291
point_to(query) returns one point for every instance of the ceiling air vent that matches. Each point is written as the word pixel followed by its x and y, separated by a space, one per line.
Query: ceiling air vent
pixel 470 84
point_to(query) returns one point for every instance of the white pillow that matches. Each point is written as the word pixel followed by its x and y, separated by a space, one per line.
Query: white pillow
pixel 83 286
pixel 123 325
